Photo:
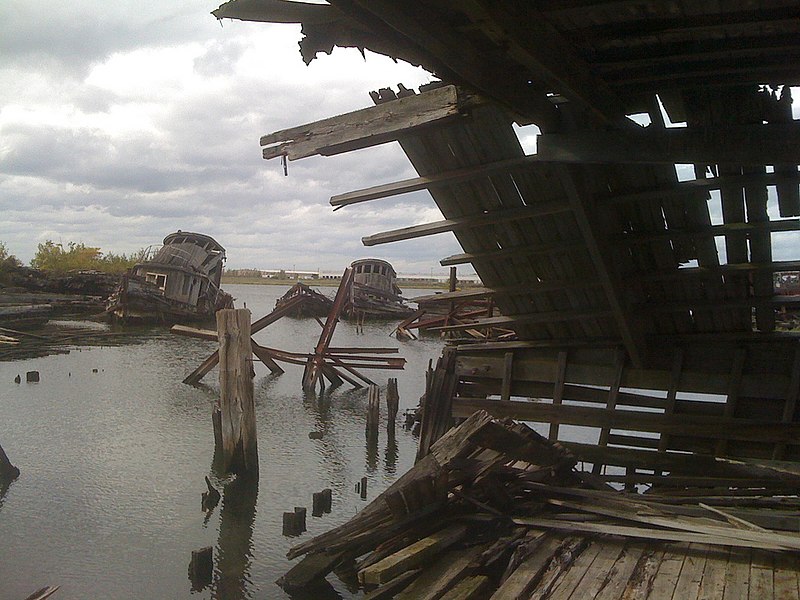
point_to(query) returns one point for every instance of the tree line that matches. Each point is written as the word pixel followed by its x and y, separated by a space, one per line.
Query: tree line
pixel 58 258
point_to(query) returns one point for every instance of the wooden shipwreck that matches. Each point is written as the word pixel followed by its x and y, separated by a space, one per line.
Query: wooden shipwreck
pixel 632 254
pixel 374 291
pixel 178 282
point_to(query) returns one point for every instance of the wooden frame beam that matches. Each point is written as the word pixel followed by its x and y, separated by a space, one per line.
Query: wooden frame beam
pixel 712 231
pixel 582 209
pixel 716 271
pixel 481 220
pixel 503 254
pixel 693 187
pixel 770 144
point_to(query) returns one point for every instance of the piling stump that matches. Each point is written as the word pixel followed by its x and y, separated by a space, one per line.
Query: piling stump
pixel 238 420
pixel 201 567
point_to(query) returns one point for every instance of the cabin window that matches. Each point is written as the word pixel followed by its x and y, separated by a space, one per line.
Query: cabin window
pixel 383 269
pixel 358 269
pixel 158 279
pixel 367 268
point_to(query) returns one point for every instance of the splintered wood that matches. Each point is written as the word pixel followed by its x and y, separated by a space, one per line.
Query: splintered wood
pixel 495 510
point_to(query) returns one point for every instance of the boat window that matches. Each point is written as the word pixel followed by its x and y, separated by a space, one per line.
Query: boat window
pixel 367 268
pixel 158 279
pixel 383 269
pixel 358 269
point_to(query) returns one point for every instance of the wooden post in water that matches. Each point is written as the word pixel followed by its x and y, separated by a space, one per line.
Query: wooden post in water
pixel 238 419
pixel 392 403
pixel 373 410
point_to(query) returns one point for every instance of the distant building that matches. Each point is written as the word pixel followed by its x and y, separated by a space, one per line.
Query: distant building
pixel 286 274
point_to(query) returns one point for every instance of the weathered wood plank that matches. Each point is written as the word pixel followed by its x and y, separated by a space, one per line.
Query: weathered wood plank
pixel 712 587
pixel 737 574
pixel 755 144
pixel 691 576
pixel 411 556
pixel 523 580
pixel 473 587
pixel 598 573
pixel 666 424
pixel 480 220
pixel 618 577
pixel 440 576
pixel 762 585
pixel 576 573
pixel 363 128
pixel 669 571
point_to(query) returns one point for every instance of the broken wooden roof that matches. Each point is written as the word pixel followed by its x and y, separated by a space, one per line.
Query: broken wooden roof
pixel 593 240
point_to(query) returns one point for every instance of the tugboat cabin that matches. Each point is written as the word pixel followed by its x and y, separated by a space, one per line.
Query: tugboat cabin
pixel 187 268
pixel 377 274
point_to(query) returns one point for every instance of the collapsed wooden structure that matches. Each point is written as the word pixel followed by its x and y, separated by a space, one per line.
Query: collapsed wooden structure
pixel 325 362
pixel 495 510
pixel 633 258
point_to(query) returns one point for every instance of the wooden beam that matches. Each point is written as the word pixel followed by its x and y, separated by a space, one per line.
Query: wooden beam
pixel 709 427
pixel 363 128
pixel 716 271
pixel 691 188
pixel 504 254
pixel 481 220
pixel 756 145
pixel 530 318
pixel 583 210
pixel 420 183
pixel 712 231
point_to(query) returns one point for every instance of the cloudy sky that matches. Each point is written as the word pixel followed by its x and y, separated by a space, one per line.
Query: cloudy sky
pixel 121 121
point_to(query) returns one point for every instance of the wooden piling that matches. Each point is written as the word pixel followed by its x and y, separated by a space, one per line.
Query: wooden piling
pixel 238 420
pixel 392 403
pixel 373 410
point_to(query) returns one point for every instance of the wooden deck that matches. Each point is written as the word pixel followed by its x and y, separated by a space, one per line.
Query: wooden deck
pixel 615 569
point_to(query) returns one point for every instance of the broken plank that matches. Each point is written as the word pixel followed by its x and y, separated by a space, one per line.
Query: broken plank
pixel 644 533
pixel 363 128
pixel 440 576
pixel 473 587
pixel 416 554
pixel 526 576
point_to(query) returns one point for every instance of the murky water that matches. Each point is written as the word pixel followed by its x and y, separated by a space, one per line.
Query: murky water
pixel 113 449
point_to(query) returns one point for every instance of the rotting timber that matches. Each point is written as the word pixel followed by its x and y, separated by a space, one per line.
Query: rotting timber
pixel 632 323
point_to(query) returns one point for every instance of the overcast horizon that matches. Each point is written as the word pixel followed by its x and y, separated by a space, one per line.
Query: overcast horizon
pixel 121 122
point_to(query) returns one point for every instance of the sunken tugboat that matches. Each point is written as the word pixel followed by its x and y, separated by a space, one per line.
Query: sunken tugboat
pixel 179 282
pixel 375 292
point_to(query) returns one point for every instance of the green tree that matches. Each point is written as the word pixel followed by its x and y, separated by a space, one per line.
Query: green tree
pixel 55 258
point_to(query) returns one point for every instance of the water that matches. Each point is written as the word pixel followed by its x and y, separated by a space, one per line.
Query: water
pixel 112 461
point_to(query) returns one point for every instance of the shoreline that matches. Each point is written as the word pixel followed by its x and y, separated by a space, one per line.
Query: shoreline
pixel 335 282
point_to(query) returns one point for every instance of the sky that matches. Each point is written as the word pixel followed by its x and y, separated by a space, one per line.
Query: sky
pixel 122 121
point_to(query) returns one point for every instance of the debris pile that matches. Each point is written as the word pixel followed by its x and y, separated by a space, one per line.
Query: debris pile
pixel 495 510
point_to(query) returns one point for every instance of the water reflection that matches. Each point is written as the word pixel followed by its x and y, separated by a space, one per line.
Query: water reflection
pixel 235 545
pixel 392 451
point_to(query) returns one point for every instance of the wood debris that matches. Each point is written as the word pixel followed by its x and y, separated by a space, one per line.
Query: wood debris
pixel 497 510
